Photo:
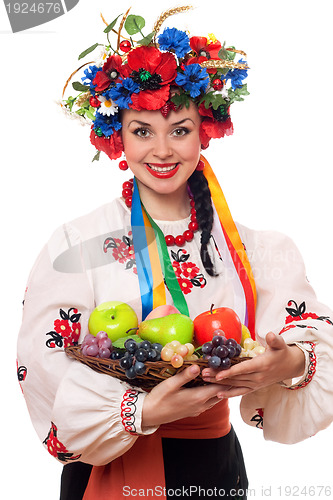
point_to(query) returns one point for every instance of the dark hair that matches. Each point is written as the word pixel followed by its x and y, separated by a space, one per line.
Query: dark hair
pixel 205 215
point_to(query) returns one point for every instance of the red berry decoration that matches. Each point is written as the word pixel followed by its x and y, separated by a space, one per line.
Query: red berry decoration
pixel 125 46
pixel 169 240
pixel 128 185
pixel 193 226
pixel 126 193
pixel 188 235
pixel 217 84
pixel 180 240
pixel 123 165
pixel 94 102
pixel 128 201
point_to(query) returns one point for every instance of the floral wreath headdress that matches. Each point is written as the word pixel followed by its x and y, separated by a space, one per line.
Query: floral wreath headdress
pixel 142 75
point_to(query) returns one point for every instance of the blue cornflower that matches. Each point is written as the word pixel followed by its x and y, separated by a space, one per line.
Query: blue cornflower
pixel 90 74
pixel 107 124
pixel 121 94
pixel 173 39
pixel 195 79
pixel 236 76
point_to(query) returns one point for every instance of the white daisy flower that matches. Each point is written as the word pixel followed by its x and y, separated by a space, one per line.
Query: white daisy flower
pixel 107 107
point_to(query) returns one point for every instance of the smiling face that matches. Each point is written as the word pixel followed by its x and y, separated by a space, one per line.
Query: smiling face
pixel 162 152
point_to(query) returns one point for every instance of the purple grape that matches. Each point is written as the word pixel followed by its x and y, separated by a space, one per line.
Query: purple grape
pixel 87 339
pixel 126 362
pixel 84 349
pixel 105 343
pixel 238 350
pixel 157 346
pixel 141 354
pixel 232 350
pixel 116 355
pixel 218 340
pixel 222 351
pixel 145 345
pixel 92 350
pixel 130 372
pixel 102 335
pixel 139 368
pixel 225 363
pixel 153 355
pixel 214 362
pixel 104 353
pixel 231 342
pixel 206 348
pixel 131 346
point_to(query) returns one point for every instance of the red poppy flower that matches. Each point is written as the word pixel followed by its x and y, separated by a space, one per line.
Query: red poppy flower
pixel 62 327
pixel 204 50
pixel 110 73
pixel 185 285
pixel 213 129
pixel 153 71
pixel 112 146
pixel 190 270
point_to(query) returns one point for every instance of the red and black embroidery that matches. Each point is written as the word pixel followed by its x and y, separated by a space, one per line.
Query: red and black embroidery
pixel 56 448
pixel 122 250
pixel 298 313
pixel 311 368
pixel 259 418
pixel 128 410
pixel 22 373
pixel 187 273
pixel 66 330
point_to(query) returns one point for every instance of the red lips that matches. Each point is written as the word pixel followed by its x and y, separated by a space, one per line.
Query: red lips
pixel 161 174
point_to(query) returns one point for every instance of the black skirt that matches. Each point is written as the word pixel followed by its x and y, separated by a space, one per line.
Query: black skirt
pixel 194 468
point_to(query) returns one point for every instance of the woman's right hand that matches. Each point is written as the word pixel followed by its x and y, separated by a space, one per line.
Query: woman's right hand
pixel 169 400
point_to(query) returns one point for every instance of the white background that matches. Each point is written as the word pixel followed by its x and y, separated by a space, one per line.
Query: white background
pixel 275 172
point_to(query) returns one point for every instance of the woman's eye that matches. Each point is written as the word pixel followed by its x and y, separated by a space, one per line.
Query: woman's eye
pixel 142 132
pixel 179 132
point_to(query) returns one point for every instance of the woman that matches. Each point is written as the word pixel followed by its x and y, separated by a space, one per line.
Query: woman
pixel 160 104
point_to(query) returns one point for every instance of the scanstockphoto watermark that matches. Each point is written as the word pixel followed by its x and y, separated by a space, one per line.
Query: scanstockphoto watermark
pixel 28 14
pixel 186 492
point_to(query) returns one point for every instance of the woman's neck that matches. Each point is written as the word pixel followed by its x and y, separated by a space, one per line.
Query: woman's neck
pixel 165 206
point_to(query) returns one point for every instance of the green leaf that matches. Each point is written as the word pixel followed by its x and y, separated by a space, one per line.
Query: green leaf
pixel 134 24
pixel 87 51
pixel 181 100
pixel 120 343
pixel 227 54
pixel 80 112
pixel 96 157
pixel 111 25
pixel 90 115
pixel 80 87
pixel 214 100
pixel 147 39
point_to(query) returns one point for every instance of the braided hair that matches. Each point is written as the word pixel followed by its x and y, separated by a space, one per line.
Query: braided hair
pixel 203 206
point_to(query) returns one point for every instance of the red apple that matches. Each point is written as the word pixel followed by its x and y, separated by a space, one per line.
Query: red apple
pixel 222 318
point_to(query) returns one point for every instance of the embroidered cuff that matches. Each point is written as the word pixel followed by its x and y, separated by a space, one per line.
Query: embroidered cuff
pixel 131 412
pixel 310 367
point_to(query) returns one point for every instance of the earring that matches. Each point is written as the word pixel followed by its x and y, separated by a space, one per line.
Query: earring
pixel 200 166
pixel 123 165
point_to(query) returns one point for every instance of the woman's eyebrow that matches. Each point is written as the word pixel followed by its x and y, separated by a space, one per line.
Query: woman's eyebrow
pixel 182 121
pixel 145 124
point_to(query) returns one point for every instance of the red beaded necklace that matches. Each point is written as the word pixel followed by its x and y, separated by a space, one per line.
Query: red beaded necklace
pixel 170 240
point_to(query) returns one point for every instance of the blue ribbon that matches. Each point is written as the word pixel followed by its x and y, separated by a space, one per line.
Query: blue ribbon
pixel 140 244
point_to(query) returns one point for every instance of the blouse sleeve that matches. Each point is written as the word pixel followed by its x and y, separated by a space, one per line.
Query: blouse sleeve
pixel 287 305
pixel 78 414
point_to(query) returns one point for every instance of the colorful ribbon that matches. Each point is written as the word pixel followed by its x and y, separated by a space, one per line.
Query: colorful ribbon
pixel 154 264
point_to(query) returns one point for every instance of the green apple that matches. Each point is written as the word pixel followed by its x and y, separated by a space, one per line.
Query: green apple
pixel 113 317
pixel 167 328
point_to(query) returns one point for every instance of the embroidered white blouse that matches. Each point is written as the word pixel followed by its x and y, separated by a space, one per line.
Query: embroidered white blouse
pixel 78 413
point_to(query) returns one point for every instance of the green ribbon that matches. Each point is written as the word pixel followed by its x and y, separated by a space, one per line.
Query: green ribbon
pixel 167 269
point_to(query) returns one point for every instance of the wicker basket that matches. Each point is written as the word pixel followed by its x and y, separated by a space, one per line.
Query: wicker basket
pixel 157 371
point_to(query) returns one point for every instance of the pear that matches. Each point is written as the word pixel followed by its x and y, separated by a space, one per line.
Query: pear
pixel 167 328
pixel 163 310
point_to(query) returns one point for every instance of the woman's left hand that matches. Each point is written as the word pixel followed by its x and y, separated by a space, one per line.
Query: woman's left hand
pixel 279 362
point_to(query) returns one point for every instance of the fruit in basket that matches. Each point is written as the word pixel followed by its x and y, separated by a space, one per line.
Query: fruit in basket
pixel 176 353
pixel 136 355
pixel 113 317
pixel 220 351
pixel 161 311
pixel 245 334
pixel 221 318
pixel 167 328
pixel 97 347
pixel 251 348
